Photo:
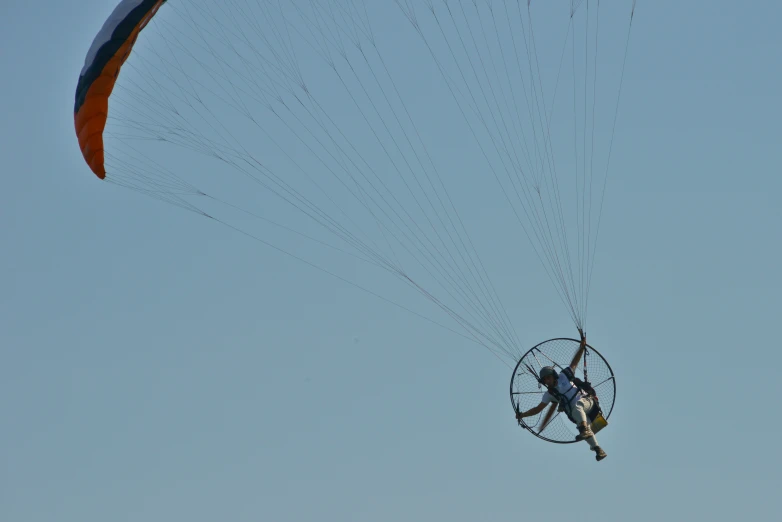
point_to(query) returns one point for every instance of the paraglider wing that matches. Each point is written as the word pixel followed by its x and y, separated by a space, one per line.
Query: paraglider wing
pixel 108 52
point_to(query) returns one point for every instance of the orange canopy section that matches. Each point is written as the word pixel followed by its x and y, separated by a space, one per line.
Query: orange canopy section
pixel 108 52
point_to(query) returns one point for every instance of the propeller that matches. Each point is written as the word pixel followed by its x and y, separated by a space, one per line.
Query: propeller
pixel 547 417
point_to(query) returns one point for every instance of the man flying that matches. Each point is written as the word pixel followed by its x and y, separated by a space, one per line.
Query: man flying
pixel 576 403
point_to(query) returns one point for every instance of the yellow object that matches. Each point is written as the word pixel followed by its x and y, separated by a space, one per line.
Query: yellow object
pixel 599 423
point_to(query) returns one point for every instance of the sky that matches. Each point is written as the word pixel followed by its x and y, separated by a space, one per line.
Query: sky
pixel 156 365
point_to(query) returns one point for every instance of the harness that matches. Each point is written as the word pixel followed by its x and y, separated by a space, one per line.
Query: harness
pixel 584 387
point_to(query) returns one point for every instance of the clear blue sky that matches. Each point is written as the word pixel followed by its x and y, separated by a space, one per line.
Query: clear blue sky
pixel 155 366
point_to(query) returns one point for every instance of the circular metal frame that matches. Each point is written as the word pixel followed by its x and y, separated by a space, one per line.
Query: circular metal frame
pixel 531 355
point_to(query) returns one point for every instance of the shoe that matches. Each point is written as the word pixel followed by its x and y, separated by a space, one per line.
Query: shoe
pixel 599 453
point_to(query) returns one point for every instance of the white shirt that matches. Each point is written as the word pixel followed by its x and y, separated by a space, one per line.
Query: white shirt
pixel 567 389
